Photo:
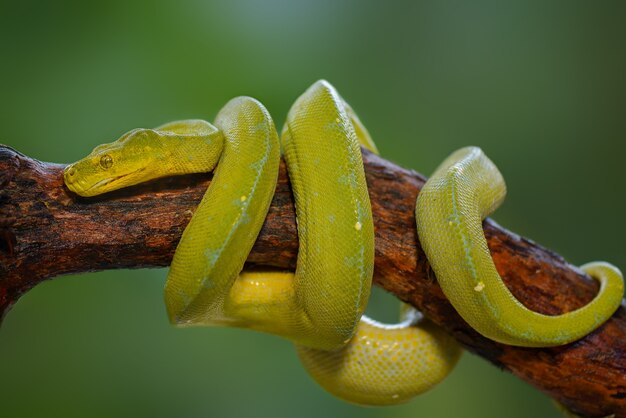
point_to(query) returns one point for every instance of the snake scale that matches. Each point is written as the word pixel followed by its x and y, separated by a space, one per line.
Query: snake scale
pixel 320 306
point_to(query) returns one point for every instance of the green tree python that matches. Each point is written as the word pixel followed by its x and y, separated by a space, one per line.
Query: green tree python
pixel 320 306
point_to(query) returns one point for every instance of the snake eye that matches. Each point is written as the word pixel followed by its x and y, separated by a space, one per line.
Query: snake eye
pixel 106 161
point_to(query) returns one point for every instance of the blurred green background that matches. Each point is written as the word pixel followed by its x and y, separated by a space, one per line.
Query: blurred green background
pixel 541 86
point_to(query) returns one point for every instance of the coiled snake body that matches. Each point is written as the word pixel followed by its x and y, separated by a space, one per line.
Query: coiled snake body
pixel 320 306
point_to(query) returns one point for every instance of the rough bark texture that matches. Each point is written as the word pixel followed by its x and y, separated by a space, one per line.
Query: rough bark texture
pixel 46 231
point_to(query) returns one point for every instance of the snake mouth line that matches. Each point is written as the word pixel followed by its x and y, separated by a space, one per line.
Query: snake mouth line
pixel 101 183
pixel 112 180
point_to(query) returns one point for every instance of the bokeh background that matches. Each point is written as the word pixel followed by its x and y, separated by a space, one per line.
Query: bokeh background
pixel 540 86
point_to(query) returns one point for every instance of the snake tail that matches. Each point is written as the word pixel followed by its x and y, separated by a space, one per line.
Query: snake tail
pixel 450 208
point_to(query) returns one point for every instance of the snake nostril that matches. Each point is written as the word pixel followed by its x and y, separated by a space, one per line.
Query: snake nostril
pixel 69 172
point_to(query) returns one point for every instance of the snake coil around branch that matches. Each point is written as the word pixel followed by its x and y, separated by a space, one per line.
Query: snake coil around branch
pixel 396 272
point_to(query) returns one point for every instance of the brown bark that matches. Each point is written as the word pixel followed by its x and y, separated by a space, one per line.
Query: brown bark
pixel 46 231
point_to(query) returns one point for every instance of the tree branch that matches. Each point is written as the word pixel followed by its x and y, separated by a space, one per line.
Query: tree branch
pixel 47 231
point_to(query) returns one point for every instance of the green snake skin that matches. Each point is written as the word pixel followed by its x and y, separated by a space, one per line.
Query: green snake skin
pixel 320 306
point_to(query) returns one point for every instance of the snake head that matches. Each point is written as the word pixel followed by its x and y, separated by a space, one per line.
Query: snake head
pixel 130 160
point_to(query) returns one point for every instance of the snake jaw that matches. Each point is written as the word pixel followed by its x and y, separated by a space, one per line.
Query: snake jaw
pixel 121 181
pixel 78 182
pixel 101 183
